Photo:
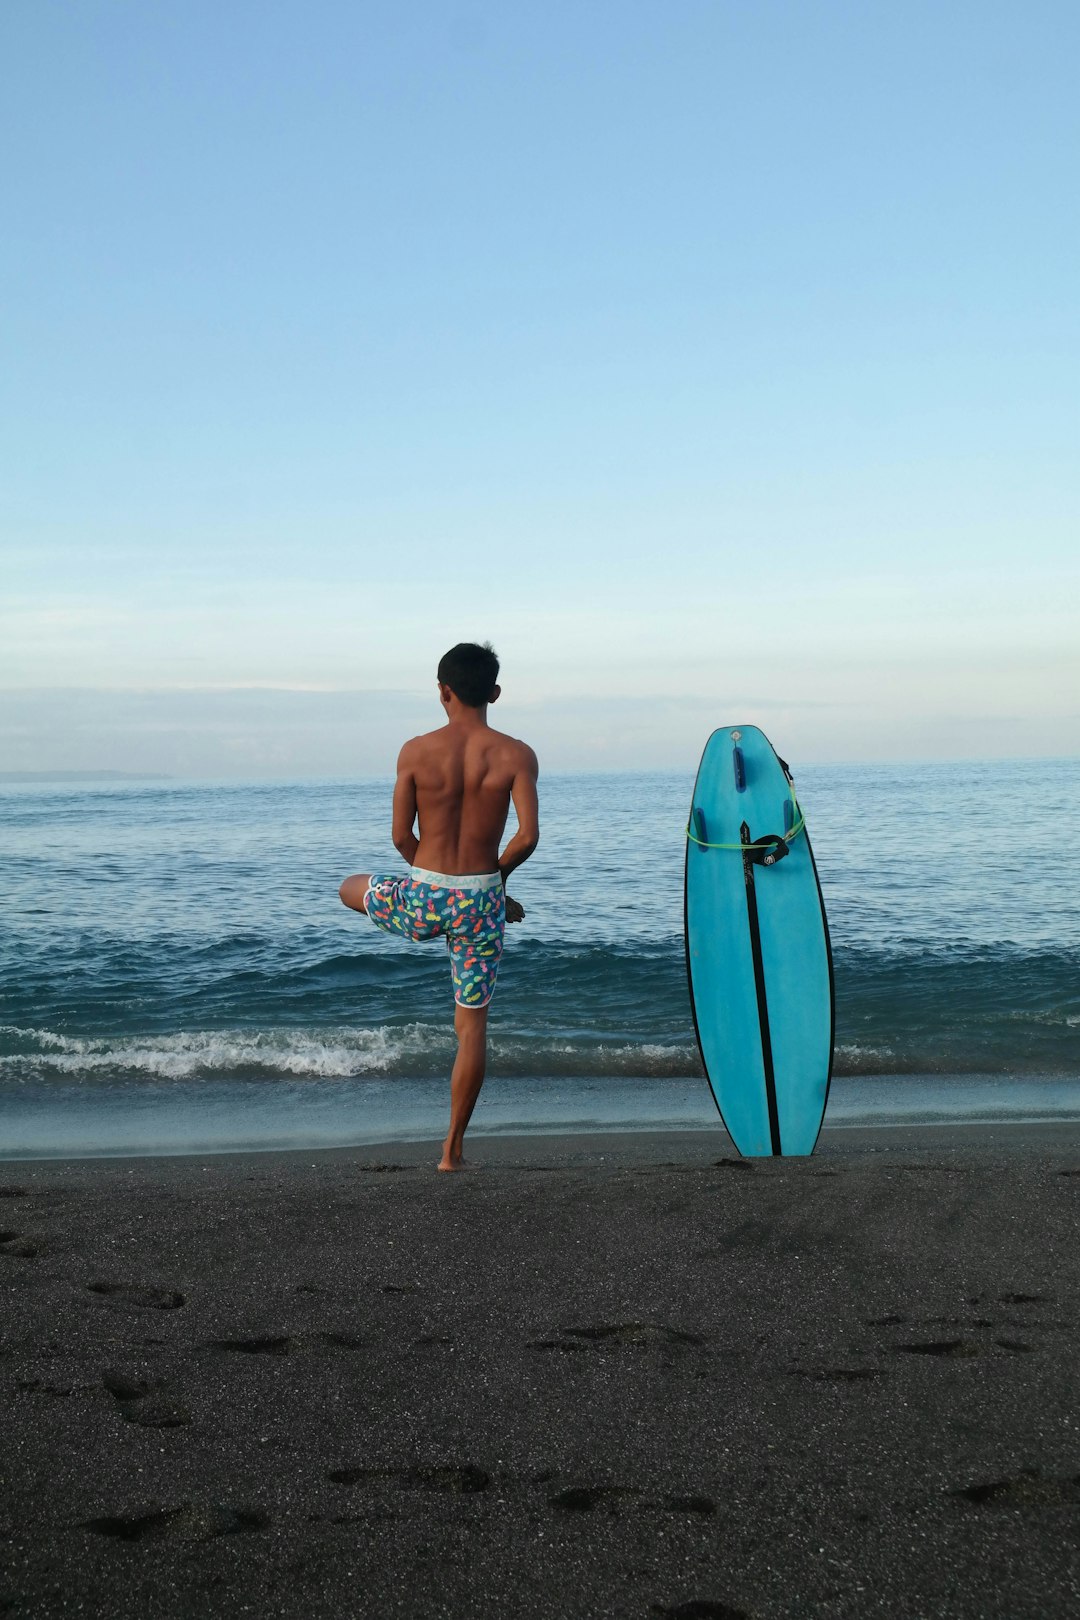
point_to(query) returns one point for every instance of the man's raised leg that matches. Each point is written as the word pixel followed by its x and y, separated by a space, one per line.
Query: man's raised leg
pixel 353 892
pixel 470 1026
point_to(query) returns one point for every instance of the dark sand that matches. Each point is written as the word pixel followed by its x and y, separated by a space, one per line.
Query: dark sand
pixel 604 1376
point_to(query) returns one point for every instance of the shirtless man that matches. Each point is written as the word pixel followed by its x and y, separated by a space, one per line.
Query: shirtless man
pixel 458 783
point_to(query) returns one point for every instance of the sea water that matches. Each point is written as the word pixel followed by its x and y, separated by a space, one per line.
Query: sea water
pixel 177 973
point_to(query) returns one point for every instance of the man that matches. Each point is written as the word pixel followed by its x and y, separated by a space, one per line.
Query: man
pixel 457 783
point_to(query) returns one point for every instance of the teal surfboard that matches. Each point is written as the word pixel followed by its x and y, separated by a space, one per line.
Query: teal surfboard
pixel 757 948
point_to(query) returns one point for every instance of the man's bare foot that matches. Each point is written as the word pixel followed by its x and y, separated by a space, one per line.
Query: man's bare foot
pixel 447 1163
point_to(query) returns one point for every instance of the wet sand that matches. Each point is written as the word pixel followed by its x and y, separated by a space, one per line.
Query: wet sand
pixel 621 1376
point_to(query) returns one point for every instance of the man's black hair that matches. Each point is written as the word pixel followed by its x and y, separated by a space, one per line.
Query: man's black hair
pixel 470 672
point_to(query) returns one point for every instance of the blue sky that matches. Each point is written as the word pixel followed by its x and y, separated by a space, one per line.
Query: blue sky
pixel 718 361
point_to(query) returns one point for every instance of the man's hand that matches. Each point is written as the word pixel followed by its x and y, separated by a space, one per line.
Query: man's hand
pixel 515 911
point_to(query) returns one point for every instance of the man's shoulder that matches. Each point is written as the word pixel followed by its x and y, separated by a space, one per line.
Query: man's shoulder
pixel 517 750
pixel 417 747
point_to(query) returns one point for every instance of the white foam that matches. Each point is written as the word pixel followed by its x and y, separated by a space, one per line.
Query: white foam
pixel 851 1058
pixel 326 1054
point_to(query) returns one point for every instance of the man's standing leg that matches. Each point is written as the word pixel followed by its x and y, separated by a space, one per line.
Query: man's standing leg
pixel 470 1026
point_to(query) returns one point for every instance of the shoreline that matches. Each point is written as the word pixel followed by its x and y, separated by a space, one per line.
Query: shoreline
pixel 633 1145
pixel 81 1117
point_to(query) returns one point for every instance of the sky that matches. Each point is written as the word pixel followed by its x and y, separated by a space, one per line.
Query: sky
pixel 715 359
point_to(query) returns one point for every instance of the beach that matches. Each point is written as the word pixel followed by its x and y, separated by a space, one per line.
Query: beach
pixel 602 1376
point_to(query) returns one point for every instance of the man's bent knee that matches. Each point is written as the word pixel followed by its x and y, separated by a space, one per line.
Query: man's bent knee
pixel 354 891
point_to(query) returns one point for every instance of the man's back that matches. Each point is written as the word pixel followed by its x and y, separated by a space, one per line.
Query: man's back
pixel 463 778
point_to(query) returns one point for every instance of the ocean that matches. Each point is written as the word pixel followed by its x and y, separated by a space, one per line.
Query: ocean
pixel 177 973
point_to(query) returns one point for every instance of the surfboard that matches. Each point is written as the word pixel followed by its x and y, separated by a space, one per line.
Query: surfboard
pixel 757 948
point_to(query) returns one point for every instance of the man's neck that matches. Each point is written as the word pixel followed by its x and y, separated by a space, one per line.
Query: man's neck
pixel 464 718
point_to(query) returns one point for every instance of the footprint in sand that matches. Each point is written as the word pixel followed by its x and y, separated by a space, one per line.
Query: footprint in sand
pixel 583 1498
pixel 277 1345
pixel 617 1334
pixel 456 1479
pixel 22 1248
pixel 954 1349
pixel 1029 1488
pixel 146 1401
pixel 189 1521
pixel 39 1386
pixel 154 1299
pixel 701 1609
pixel 284 1344
pixel 964 1349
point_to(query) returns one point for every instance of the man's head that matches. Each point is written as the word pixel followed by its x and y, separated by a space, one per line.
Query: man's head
pixel 470 673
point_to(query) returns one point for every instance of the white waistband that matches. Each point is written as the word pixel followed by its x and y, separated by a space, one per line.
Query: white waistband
pixel 473 881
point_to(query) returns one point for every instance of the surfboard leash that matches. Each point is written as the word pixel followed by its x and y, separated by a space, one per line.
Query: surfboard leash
pixel 772 846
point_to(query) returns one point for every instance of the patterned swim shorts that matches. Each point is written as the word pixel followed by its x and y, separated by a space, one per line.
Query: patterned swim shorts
pixel 470 912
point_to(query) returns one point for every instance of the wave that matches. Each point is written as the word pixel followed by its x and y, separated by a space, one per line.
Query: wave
pixel 410 1050
pixel 425 1051
pixel 562 1009
pixel 195 1054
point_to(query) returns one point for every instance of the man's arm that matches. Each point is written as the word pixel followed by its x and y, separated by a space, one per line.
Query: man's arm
pixel 405 840
pixel 527 805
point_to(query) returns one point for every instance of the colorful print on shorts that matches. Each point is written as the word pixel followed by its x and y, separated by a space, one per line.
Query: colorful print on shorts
pixel 471 920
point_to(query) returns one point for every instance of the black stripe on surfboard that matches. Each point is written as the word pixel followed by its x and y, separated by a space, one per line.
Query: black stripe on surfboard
pixel 759 986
